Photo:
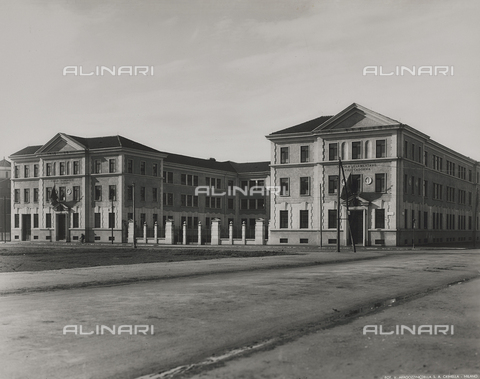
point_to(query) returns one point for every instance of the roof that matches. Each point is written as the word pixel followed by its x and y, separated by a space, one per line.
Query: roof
pixel 119 141
pixel 307 126
pixel 216 165
pixel 111 141
pixel 199 162
pixel 5 163
pixel 95 143
pixel 29 150
pixel 251 166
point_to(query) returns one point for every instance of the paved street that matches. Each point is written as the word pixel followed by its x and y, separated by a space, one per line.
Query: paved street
pixel 200 316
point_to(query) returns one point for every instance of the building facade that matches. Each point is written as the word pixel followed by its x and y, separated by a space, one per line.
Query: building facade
pixel 401 187
pixel 72 187
pixel 5 200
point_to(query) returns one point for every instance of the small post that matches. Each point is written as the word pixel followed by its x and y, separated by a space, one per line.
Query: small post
pixel 259 231
pixel 155 231
pixel 169 237
pixel 184 229
pixel 199 233
pixel 145 232
pixel 230 233
pixel 215 232
pixel 244 233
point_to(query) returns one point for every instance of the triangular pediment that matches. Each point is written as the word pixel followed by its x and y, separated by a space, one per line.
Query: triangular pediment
pixel 356 116
pixel 61 143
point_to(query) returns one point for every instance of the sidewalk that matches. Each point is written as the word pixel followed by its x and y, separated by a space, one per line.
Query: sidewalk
pixel 30 281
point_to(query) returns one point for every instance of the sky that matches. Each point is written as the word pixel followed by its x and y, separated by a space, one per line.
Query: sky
pixel 226 73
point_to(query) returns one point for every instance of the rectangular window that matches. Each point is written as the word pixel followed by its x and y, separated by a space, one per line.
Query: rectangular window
pixel 195 201
pixel 190 180
pixel 97 223
pixel 62 168
pixel 35 220
pixel 17 220
pixel 405 184
pixel 356 150
pixel 405 220
pixel 333 184
pixel 413 185
pixel 251 203
pixel 16 171
pixel 98 193
pixel 155 194
pixel 75 220
pixel 244 204
pixel 48 194
pixel 143 167
pixel 48 220
pixel 26 171
pixel 380 183
pixel 284 158
pixel 189 200
pixel 380 218
pixel 304 219
pixel 305 185
pixel 111 166
pixel 219 183
pixel 419 186
pixel 283 219
pixel 405 149
pixel 183 200
pixel 62 193
pixel 26 195
pixel 35 170
pixel 380 148
pixel 218 201
pixel 16 195
pixel 304 154
pixel 425 158
pixel 195 180
pixel 260 203
pixel 183 179
pixel 285 186
pixel 425 188
pixel 142 193
pixel 35 195
pixel 129 192
pixel 111 220
pixel 130 166
pixel 413 152
pixel 76 193
pixel 155 169
pixel 76 167
pixel 333 151
pixel 98 166
pixel 332 219
pixel 230 203
pixel 425 220
pixel 112 192
pixel 48 169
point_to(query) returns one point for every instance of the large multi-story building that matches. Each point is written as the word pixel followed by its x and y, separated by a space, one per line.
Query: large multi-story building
pixel 73 186
pixel 5 205
pixel 403 187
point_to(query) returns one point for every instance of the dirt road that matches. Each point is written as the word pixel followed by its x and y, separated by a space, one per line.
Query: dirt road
pixel 197 317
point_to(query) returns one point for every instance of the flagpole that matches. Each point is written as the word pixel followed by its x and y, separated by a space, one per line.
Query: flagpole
pixel 348 216
pixel 338 202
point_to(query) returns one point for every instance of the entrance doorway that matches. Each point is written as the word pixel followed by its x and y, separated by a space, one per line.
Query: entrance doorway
pixel 26 227
pixel 356 226
pixel 61 227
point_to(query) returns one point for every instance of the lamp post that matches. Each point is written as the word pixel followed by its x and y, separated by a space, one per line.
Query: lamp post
pixel 112 221
pixel 4 229
pixel 133 198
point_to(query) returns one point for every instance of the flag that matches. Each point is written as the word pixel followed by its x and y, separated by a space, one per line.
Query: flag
pixel 347 189
pixel 54 196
